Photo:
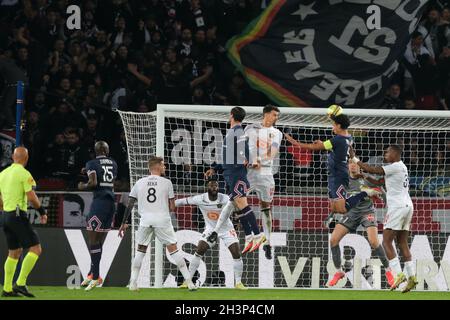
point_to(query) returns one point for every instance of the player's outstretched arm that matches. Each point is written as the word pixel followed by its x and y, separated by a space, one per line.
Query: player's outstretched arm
pixel 124 225
pixel 368 168
pixel 317 145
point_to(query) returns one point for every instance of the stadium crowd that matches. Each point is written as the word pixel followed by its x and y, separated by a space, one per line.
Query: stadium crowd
pixel 133 54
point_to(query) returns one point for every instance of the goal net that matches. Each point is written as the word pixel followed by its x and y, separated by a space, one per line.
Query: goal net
pixel 190 139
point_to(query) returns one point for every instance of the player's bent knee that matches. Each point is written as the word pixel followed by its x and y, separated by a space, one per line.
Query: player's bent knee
pixel 15 254
pixel 37 249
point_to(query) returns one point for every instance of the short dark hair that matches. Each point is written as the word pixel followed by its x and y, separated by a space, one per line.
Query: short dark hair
pixel 397 149
pixel 269 108
pixel 343 120
pixel 154 161
pixel 238 114
pixel 71 197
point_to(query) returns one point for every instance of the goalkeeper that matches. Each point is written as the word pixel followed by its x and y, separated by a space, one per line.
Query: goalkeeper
pixel 234 167
pixel 363 214
pixel 338 176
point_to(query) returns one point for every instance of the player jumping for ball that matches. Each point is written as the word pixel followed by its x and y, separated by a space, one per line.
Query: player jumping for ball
pixel 338 176
pixel 234 167
pixel 211 204
pixel 264 144
pixel 363 214
pixel 399 215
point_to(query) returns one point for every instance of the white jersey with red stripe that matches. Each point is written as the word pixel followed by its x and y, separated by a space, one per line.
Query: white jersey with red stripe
pixel 210 209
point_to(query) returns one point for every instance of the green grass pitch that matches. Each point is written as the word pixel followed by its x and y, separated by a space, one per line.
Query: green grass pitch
pixel 112 293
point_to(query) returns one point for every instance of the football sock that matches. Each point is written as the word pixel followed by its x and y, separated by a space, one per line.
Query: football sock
pixel 136 268
pixel 195 263
pixel 267 223
pixel 238 267
pixel 354 200
pixel 379 252
pixel 248 215
pixel 96 256
pixel 395 265
pixel 409 268
pixel 336 254
pixel 27 266
pixel 10 269
pixel 179 260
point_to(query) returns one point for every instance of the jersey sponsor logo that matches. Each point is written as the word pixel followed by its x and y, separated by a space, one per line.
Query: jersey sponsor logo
pixel 213 215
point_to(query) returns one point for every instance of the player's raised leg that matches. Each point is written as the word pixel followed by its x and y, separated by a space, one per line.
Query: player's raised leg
pixel 338 233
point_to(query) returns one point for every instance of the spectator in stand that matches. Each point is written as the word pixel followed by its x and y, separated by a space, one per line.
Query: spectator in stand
pixel 392 99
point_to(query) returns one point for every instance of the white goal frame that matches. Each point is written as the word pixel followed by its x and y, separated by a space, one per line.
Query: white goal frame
pixel 164 109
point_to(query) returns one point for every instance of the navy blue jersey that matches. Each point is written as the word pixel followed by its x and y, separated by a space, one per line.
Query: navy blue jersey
pixel 338 157
pixel 235 152
pixel 106 170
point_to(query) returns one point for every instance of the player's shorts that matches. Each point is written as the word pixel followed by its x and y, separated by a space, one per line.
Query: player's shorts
pixel 166 235
pixel 356 217
pixel 228 237
pixel 101 215
pixel 18 231
pixel 337 188
pixel 262 185
pixel 237 186
pixel 399 218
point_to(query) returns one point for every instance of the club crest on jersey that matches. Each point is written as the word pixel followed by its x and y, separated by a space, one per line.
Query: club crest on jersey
pixel 371 217
pixel 219 205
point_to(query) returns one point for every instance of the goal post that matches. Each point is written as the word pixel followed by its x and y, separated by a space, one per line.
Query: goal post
pixel 189 137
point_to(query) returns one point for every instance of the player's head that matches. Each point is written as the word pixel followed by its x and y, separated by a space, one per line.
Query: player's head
pixel 101 148
pixel 237 114
pixel 213 187
pixel 20 155
pixel 340 123
pixel 354 169
pixel 156 166
pixel 393 153
pixel 270 115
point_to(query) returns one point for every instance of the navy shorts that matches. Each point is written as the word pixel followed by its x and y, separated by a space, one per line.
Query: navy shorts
pixel 237 186
pixel 337 188
pixel 101 215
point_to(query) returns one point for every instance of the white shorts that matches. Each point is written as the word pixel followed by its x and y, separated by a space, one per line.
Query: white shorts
pixel 262 185
pixel 164 234
pixel 228 237
pixel 398 218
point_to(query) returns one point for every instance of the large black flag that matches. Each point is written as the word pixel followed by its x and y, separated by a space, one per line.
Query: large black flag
pixel 316 53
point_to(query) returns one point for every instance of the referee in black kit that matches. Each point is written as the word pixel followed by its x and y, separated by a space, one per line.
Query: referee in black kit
pixel 16 189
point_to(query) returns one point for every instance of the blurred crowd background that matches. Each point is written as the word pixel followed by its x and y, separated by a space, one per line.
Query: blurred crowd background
pixel 134 54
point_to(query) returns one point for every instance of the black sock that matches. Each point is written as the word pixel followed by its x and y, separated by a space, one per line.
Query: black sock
pixel 96 255
pixel 379 252
pixel 250 217
pixel 354 200
pixel 246 225
pixel 336 254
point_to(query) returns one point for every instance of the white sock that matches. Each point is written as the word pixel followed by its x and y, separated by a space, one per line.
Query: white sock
pixel 395 265
pixel 193 266
pixel 224 215
pixel 179 260
pixel 409 269
pixel 267 223
pixel 136 267
pixel 238 267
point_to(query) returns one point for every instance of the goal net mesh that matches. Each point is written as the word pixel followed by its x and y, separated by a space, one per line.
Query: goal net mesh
pixel 301 256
